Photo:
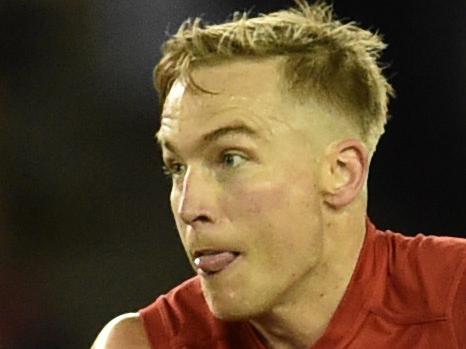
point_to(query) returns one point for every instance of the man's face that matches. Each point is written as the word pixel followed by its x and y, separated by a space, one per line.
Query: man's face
pixel 245 165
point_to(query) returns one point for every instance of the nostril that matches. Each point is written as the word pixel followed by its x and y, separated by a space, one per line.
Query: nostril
pixel 202 219
pixel 191 218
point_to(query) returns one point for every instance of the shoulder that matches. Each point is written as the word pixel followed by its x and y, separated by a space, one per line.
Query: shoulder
pixel 438 253
pixel 171 312
pixel 458 312
pixel 181 318
pixel 423 273
pixel 125 331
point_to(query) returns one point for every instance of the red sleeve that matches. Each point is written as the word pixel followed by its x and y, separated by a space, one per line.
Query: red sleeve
pixel 154 324
pixel 459 312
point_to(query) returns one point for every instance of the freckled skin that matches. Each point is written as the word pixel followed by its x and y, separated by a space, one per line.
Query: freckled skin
pixel 268 207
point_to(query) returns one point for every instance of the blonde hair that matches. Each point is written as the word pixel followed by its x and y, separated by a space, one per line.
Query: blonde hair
pixel 338 61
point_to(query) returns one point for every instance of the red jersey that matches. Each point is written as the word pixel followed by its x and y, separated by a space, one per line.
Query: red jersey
pixel 405 292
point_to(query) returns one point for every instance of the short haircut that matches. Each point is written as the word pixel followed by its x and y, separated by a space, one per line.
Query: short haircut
pixel 321 56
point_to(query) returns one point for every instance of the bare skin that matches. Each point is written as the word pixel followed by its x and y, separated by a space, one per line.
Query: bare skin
pixel 124 332
pixel 288 193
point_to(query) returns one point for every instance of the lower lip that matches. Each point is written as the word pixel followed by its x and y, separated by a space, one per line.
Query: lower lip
pixel 212 274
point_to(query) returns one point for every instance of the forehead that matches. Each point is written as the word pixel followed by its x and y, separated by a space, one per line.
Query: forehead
pixel 245 88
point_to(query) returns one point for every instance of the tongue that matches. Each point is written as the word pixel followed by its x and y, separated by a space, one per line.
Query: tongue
pixel 214 262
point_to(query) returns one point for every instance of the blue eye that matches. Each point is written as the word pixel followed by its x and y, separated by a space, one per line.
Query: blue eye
pixel 232 160
pixel 227 161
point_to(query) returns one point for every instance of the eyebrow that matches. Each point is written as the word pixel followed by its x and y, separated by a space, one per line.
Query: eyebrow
pixel 238 128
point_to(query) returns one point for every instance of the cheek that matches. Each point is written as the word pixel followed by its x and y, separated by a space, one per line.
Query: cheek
pixel 290 195
pixel 174 204
pixel 252 200
pixel 278 215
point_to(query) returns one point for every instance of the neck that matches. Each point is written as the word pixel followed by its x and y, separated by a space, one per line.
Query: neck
pixel 302 315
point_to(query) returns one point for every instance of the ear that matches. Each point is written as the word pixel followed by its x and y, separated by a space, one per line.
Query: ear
pixel 345 172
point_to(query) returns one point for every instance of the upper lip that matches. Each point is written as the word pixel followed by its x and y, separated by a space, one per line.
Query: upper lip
pixel 206 251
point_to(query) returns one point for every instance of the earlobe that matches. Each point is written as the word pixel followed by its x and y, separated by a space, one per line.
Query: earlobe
pixel 345 177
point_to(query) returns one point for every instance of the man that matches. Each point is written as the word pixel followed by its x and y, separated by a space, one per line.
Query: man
pixel 268 128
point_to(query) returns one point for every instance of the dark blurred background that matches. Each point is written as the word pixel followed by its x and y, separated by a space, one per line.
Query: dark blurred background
pixel 85 227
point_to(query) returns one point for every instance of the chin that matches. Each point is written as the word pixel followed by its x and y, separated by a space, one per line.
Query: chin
pixel 228 314
pixel 239 310
pixel 236 300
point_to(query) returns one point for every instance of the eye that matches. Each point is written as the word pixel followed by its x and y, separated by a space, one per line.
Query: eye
pixel 232 160
pixel 173 169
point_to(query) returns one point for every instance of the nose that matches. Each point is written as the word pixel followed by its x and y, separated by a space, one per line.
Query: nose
pixel 195 206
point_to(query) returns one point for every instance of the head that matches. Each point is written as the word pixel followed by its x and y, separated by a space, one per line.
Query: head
pixel 268 125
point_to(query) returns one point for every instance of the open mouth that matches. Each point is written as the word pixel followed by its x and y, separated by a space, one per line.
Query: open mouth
pixel 211 262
